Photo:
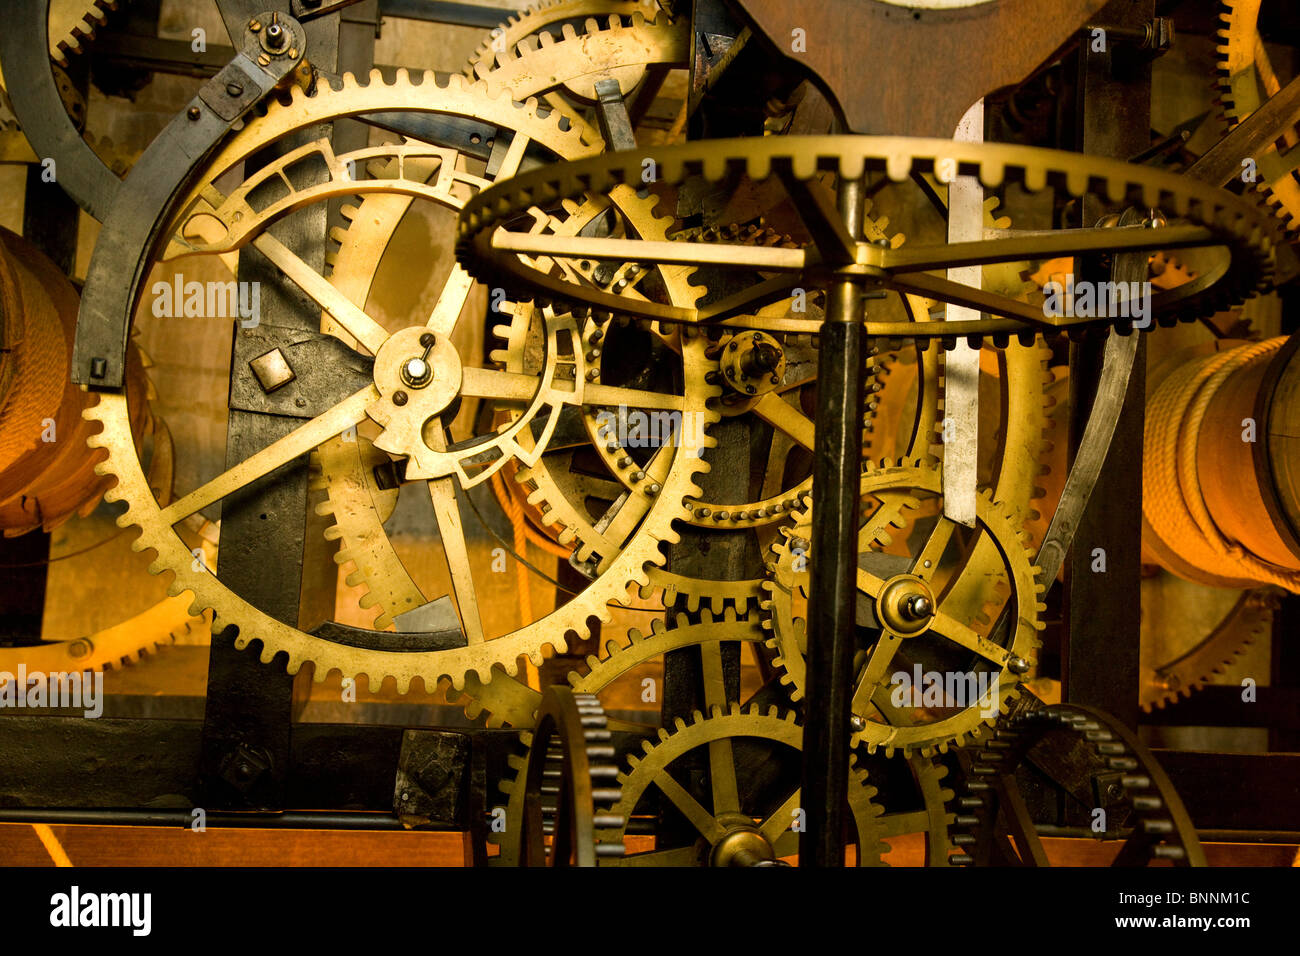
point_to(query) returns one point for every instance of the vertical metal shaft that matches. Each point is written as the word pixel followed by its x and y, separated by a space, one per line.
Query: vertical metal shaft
pixel 837 466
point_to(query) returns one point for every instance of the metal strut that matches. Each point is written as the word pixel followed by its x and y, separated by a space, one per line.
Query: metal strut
pixel 837 467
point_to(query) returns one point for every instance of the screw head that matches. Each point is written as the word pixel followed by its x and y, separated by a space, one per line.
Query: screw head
pixel 1017 665
pixel 400 398
pixel 193 112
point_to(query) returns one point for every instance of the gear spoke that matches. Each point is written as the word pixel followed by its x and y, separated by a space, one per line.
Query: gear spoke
pixel 701 819
pixel 353 319
pixel 780 820
pixel 344 415
pixel 785 417
pixel 959 633
pixel 945 290
pixel 927 562
pixel 442 493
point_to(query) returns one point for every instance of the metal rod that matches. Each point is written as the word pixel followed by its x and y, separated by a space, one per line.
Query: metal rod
pixel 185 818
pixel 837 466
pixel 447 11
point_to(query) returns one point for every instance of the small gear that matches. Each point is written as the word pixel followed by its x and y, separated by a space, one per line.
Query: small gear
pixel 747 822
pixel 968 666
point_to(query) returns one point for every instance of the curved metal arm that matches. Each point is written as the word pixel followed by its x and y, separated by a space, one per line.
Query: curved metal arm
pixel 136 218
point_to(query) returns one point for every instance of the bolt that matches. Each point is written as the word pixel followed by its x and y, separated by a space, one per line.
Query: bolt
pixel 275 36
pixel 760 359
pixel 234 89
pixel 858 723
pixel 916 607
pixel 427 340
pixel 193 112
pixel 1017 665
pixel 400 398
pixel 254 26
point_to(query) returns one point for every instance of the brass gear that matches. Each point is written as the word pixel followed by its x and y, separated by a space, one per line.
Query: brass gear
pixel 735 829
pixel 73 26
pixel 371 224
pixel 476 661
pixel 998 558
pixel 548 17
pixel 707 633
pixel 1208 216
pixel 1245 80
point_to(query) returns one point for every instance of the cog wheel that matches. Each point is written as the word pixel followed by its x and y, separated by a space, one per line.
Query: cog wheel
pixel 1096 763
pixel 1178 661
pixel 486 244
pixel 1246 79
pixel 567 781
pixel 73 26
pixel 618 660
pixel 957 673
pixel 449 467
pixel 752 792
pixel 549 18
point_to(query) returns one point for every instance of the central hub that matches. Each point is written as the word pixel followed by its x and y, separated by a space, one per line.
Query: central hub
pixel 905 605
pixel 742 844
pixel 753 363
pixel 419 376
pixel 419 372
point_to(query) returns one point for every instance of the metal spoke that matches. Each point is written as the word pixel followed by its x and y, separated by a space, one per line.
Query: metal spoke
pixel 346 313
pixel 442 494
pixel 783 416
pixel 344 415
pixel 722 761
pixel 690 808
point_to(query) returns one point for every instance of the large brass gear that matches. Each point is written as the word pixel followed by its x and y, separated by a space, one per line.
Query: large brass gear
pixel 1207 217
pixel 460 665
pixel 997 558
pixel 372 223
pixel 1246 80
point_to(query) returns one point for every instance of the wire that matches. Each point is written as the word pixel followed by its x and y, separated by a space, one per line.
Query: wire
pixel 64 557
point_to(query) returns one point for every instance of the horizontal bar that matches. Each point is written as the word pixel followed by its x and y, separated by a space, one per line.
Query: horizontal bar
pixel 445 11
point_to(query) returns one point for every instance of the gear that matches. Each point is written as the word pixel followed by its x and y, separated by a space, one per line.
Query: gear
pixel 1214 217
pixel 1096 762
pixel 75 27
pixel 566 785
pixel 905 593
pixel 466 666
pixel 547 18
pixel 1246 80
pixel 747 822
